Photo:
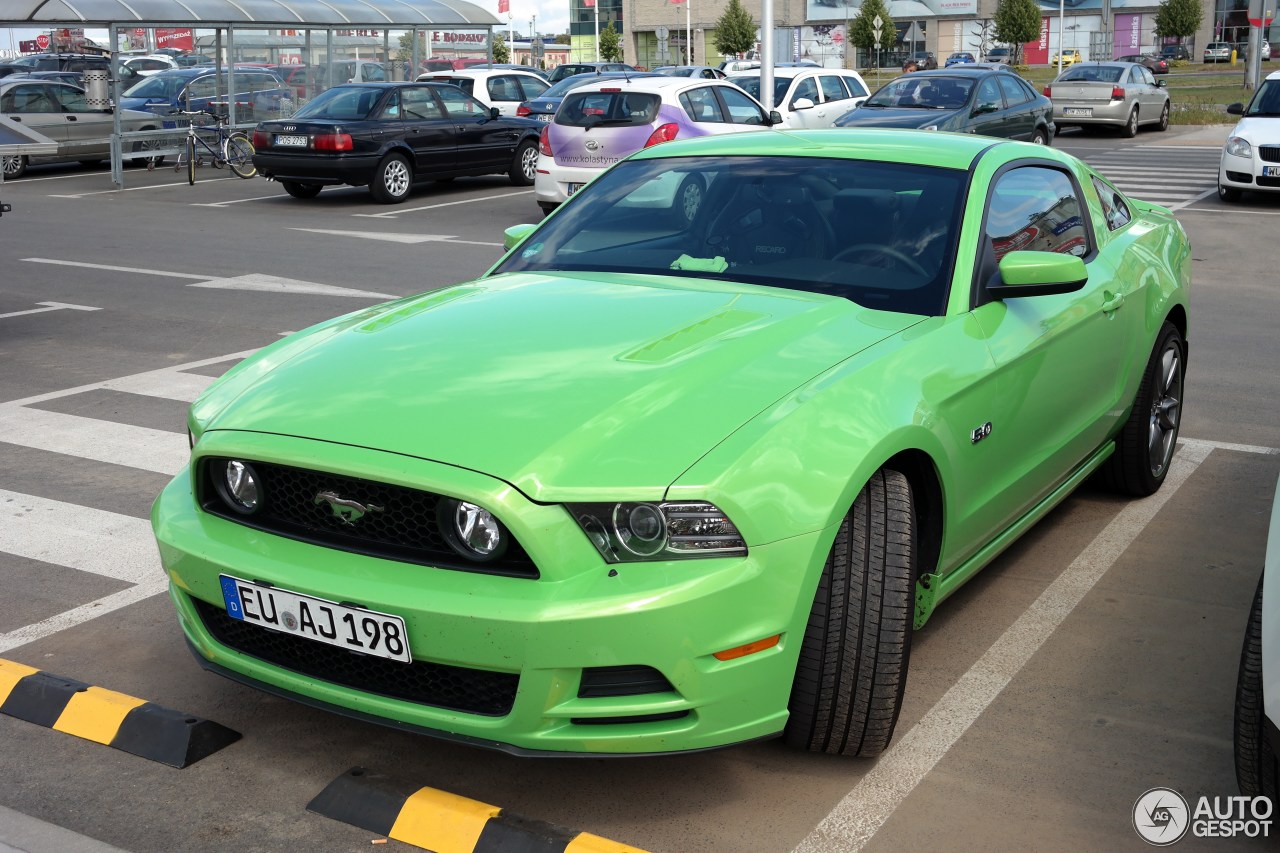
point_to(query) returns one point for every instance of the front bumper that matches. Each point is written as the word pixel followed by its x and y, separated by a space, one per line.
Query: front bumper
pixel 1245 173
pixel 580 615
pixel 354 169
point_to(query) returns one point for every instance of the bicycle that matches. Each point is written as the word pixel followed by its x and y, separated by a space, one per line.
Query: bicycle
pixel 230 147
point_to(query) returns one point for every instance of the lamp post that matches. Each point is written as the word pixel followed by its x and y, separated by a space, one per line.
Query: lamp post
pixel 1062 17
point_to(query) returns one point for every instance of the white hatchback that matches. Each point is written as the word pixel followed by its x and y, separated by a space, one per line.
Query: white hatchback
pixel 601 123
pixel 808 97
pixel 504 88
pixel 1251 157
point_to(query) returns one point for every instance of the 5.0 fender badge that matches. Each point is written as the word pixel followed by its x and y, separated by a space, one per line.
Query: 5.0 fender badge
pixel 981 432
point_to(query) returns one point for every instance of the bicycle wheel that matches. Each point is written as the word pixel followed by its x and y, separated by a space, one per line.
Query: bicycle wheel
pixel 240 155
pixel 191 161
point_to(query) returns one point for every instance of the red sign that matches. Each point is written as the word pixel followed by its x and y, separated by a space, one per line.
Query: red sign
pixel 181 39
pixel 1260 22
pixel 42 41
pixel 504 7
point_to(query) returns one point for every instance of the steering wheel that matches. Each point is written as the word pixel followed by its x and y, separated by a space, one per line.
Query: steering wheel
pixel 887 251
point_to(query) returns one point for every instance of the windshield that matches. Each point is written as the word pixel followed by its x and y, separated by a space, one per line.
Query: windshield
pixel 349 103
pixel 164 86
pixel 879 234
pixel 1092 74
pixel 1267 100
pixel 923 93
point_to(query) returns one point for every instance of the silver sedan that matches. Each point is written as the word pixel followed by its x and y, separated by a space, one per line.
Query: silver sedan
pixel 1124 95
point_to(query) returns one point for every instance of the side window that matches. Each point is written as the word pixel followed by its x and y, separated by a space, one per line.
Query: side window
pixel 374 73
pixel 1114 209
pixel 391 109
pixel 832 88
pixel 856 89
pixel 419 103
pixel 503 88
pixel 1014 92
pixel 806 88
pixel 459 104
pixel 28 99
pixel 532 88
pixel 989 93
pixel 701 105
pixel 1036 208
pixel 1148 76
pixel 72 100
pixel 740 108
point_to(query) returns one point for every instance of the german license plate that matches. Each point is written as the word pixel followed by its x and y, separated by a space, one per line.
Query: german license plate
pixel 1078 111
pixel 379 634
pixel 1271 171
pixel 545 117
pixel 297 141
pixel 570 189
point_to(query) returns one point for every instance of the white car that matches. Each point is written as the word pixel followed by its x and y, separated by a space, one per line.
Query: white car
pixel 504 88
pixel 1257 740
pixel 600 123
pixel 145 66
pixel 808 97
pixel 1251 157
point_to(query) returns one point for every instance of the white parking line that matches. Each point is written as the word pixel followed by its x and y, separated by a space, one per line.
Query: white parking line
pixel 239 200
pixel 857 818
pixel 1201 197
pixel 138 270
pixel 397 212
pixel 132 189
pixel 49 306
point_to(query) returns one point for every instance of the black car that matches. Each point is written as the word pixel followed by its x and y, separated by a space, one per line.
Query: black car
pixel 77 63
pixel 1171 52
pixel 571 68
pixel 965 99
pixel 390 136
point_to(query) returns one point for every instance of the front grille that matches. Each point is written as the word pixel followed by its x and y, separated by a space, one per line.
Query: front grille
pixel 1269 153
pixel 1268 182
pixel 403 529
pixel 473 691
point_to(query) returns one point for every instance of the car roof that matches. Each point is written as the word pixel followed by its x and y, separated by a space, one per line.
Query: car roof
pixel 969 69
pixel 641 84
pixel 479 73
pixel 794 71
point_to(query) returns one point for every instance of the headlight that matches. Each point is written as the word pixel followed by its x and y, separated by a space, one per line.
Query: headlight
pixel 237 484
pixel 1238 147
pixel 471 530
pixel 635 531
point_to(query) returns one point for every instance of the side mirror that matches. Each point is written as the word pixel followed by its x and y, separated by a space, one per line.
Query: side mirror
pixel 513 235
pixel 494 112
pixel 1236 109
pixel 1028 273
pixel 1159 84
pixel 775 118
pixel 987 107
pixel 802 104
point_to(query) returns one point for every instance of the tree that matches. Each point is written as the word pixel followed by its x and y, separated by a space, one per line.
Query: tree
pixel 862 30
pixel 735 31
pixel 984 33
pixel 1178 18
pixel 1018 22
pixel 564 38
pixel 610 44
pixel 500 51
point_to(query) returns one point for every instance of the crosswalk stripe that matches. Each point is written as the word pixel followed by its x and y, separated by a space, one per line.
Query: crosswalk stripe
pixel 170 384
pixel 89 438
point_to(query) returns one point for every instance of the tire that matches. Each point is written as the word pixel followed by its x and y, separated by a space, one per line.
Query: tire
pixel 1228 194
pixel 689 198
pixel 240 155
pixel 1256 771
pixel 1139 466
pixel 14 167
pixel 857 645
pixel 1163 124
pixel 148 145
pixel 1130 129
pixel 547 207
pixel 298 190
pixel 191 162
pixel 524 165
pixel 91 163
pixel 392 180
pixel 1040 136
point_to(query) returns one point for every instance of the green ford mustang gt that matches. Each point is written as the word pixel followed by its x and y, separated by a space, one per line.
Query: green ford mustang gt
pixel 691 463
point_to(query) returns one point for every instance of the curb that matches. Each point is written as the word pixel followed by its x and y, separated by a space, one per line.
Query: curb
pixel 103 716
pixel 443 822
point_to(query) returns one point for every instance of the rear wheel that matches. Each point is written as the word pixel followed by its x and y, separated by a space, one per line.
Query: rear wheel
pixel 1040 136
pixel 14 166
pixel 1130 129
pixel 240 155
pixel 391 180
pixel 856 647
pixel 524 165
pixel 298 190
pixel 1164 118
pixel 1144 447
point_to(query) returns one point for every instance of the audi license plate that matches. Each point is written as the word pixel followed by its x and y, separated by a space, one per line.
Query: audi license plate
pixel 570 189
pixel 1271 171
pixel 379 634
pixel 296 141
pixel 1078 111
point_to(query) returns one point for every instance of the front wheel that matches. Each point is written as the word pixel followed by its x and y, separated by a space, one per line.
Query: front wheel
pixel 1144 447
pixel 1164 118
pixel 240 155
pixel 391 180
pixel 191 161
pixel 856 647
pixel 524 165
pixel 1256 770
pixel 14 166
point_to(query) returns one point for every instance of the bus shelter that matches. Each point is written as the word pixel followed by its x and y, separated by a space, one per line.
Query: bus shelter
pixel 308 44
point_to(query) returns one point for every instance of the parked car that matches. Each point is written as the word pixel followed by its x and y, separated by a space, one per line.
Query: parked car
pixel 514 67
pixel 571 68
pixel 1068 58
pixel 1218 51
pixel 806 96
pixel 76 63
pixel 1002 55
pixel 504 89
pixel 145 66
pixel 601 123
pixel 705 72
pixel 390 136
pixel 304 81
pixel 1251 156
pixel 925 60
pixel 75 78
pixel 1154 64
pixel 352 71
pixel 959 59
pixel 1174 52
pixel 1258 682
pixel 61 112
pixel 962 99
pixel 259 92
pixel 1122 95
pixel 656 483
pixel 543 108
pixel 1265 52
pixel 188 60
pixel 450 64
pixel 730 66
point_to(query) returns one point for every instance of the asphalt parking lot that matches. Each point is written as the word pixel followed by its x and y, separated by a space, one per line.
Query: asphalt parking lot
pixel 1092 661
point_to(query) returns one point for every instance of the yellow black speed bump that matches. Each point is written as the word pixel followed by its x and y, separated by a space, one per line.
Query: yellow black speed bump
pixel 104 716
pixel 443 822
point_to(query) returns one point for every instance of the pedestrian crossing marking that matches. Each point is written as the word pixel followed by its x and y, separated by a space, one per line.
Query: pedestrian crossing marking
pixel 90 438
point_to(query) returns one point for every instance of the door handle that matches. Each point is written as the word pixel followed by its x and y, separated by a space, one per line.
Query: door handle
pixel 1111 301
pixel 71 118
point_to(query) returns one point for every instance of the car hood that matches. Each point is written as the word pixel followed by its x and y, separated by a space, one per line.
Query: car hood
pixel 564 385
pixel 890 117
pixel 1264 130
